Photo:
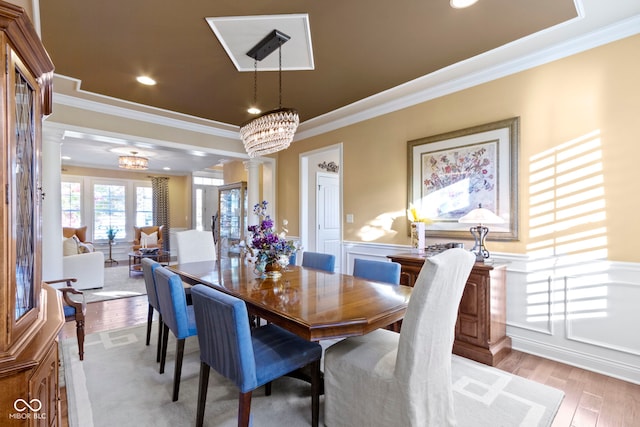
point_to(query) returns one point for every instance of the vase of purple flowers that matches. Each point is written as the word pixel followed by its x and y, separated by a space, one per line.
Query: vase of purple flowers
pixel 268 249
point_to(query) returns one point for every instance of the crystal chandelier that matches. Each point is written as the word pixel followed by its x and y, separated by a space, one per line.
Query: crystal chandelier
pixel 133 162
pixel 274 130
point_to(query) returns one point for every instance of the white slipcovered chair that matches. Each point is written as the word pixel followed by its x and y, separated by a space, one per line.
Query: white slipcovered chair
pixel 194 246
pixel 389 379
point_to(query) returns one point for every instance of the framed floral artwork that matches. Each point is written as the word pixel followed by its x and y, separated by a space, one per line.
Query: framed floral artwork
pixel 452 173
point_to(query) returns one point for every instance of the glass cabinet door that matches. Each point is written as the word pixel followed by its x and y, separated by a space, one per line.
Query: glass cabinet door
pixel 232 210
pixel 25 189
pixel 23 196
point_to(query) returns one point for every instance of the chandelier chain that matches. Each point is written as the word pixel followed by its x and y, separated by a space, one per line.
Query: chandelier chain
pixel 255 82
pixel 280 75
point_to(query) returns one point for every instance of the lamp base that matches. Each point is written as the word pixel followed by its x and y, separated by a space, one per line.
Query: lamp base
pixel 479 233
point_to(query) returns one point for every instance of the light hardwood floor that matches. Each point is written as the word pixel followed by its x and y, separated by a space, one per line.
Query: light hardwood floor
pixel 591 400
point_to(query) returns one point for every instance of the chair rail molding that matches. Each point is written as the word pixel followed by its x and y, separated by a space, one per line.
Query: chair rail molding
pixel 579 313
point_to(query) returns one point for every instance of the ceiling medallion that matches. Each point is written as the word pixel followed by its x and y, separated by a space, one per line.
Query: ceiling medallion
pixel 133 162
pixel 274 130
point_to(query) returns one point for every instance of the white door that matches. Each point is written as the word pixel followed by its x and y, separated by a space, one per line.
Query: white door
pixel 205 206
pixel 328 215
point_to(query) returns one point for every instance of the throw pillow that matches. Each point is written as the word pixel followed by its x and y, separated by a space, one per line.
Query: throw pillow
pixel 85 248
pixel 70 246
pixel 149 239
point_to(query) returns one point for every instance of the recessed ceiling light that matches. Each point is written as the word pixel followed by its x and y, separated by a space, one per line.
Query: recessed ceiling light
pixel 254 110
pixel 460 4
pixel 146 80
pixel 167 168
pixel 65 158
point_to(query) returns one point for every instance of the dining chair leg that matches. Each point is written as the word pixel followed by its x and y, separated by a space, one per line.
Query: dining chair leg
pixel 160 324
pixel 149 320
pixel 315 392
pixel 165 338
pixel 177 372
pixel 80 337
pixel 244 409
pixel 202 393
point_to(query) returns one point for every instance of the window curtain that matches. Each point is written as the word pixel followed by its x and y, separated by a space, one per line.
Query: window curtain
pixel 160 188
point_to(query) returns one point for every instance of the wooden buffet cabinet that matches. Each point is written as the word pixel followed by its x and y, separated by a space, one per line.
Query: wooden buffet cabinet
pixel 481 326
pixel 30 312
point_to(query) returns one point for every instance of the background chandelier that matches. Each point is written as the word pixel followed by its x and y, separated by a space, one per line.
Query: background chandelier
pixel 274 130
pixel 133 162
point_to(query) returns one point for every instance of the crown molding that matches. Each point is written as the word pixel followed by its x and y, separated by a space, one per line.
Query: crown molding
pixel 159 117
pixel 518 56
pixel 474 71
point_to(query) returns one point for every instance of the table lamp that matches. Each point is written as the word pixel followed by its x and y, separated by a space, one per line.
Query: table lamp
pixel 479 232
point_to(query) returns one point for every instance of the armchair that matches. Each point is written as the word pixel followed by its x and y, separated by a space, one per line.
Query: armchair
pixel 73 310
pixel 148 230
pixel 80 233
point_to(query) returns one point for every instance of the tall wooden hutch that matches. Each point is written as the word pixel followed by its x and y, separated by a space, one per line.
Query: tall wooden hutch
pixel 30 313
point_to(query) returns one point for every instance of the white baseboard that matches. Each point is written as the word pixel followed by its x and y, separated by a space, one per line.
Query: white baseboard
pixel 605 366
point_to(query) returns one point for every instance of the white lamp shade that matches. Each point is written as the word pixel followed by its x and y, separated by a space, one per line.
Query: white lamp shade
pixel 481 216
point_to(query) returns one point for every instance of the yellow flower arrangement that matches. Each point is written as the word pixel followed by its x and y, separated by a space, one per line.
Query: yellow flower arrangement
pixel 414 216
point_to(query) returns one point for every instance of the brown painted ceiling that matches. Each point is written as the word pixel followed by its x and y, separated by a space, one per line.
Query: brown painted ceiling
pixel 360 47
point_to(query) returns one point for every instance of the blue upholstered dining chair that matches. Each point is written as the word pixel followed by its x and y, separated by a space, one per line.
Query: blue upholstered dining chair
pixel 148 266
pixel 319 261
pixel 177 317
pixel 248 357
pixel 380 271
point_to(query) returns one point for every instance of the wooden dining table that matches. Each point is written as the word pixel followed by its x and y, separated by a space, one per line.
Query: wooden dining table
pixel 313 304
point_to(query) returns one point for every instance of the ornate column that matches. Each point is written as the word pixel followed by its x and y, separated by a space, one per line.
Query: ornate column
pixel 253 188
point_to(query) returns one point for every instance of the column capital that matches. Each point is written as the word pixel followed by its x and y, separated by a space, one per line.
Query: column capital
pixel 251 163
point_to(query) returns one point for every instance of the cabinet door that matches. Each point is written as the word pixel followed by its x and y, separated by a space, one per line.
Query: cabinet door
pixel 472 312
pixel 24 194
pixel 43 386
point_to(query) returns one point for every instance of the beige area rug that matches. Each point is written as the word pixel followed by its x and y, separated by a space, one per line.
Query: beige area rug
pixel 117 284
pixel 118 384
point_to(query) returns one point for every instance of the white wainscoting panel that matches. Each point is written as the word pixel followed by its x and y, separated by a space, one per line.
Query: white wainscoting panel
pixel 372 251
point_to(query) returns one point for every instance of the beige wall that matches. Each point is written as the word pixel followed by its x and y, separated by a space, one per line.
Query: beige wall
pixel 597 90
pixel 233 172
pixel 179 190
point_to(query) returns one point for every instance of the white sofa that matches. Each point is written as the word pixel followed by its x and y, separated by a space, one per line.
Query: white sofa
pixel 88 268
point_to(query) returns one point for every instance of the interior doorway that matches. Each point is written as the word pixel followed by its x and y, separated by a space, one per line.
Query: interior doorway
pixel 205 201
pixel 321 201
